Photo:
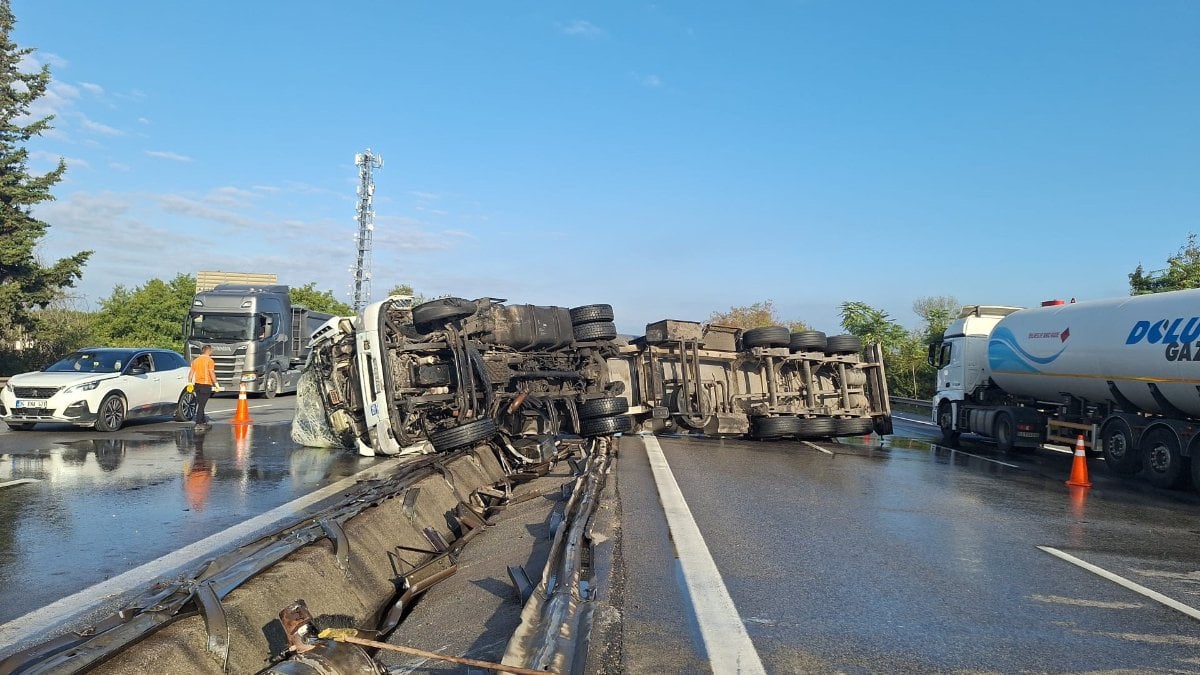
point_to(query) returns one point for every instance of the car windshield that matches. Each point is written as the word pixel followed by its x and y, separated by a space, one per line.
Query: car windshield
pixel 221 326
pixel 90 362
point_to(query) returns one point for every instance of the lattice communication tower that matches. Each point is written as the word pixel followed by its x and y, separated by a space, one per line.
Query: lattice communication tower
pixel 365 214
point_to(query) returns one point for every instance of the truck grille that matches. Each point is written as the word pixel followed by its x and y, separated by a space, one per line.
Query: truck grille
pixel 35 392
pixel 229 368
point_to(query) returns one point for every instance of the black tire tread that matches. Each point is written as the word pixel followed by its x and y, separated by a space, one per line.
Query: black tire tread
pixel 603 407
pixel 807 340
pixel 591 314
pixel 843 344
pixel 466 433
pixel 604 426
pixel 766 336
pixel 600 330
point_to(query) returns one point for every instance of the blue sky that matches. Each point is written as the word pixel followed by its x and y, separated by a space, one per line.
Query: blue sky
pixel 672 159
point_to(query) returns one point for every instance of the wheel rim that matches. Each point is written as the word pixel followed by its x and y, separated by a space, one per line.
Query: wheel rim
pixel 113 413
pixel 273 382
pixel 1159 458
pixel 189 406
pixel 1115 446
pixel 944 418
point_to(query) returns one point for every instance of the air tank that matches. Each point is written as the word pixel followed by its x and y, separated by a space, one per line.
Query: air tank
pixel 1141 353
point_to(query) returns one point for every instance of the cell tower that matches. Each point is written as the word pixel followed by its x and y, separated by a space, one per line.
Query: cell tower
pixel 365 214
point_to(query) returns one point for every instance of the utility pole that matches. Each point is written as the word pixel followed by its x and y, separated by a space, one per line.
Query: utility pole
pixel 365 214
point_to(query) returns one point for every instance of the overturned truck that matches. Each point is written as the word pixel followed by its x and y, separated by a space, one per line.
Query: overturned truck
pixel 451 372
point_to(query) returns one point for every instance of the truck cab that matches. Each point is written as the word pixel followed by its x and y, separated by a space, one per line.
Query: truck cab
pixel 960 358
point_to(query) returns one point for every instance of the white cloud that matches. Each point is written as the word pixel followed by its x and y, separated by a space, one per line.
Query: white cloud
pixel 92 88
pixel 190 207
pixel 143 120
pixel 581 28
pixel 231 196
pixel 36 59
pixel 96 127
pixel 118 166
pixel 167 154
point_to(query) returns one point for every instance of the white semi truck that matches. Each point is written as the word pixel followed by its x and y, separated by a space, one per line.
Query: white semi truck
pixel 1119 372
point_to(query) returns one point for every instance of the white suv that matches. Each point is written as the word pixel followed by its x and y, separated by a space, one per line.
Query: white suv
pixel 101 388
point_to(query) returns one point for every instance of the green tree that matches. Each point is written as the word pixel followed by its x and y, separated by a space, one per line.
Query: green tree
pixel 1183 271
pixel 318 301
pixel 755 316
pixel 25 283
pixel 875 326
pixel 150 315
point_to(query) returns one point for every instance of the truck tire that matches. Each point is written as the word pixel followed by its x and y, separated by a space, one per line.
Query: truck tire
pixel 843 344
pixel 185 408
pixel 600 330
pixel 591 314
pixel 945 418
pixel 853 426
pixel 603 407
pixel 429 316
pixel 815 427
pixel 1165 465
pixel 807 341
pixel 1121 457
pixel 1004 431
pixel 272 384
pixel 767 336
pixel 463 434
pixel 605 426
pixel 775 427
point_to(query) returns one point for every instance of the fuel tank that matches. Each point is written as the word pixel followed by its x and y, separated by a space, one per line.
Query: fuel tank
pixel 527 327
pixel 1141 353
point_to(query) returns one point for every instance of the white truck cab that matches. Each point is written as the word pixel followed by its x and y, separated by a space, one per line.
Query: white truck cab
pixel 961 359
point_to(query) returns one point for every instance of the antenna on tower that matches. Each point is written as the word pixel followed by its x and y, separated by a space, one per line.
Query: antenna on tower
pixel 365 214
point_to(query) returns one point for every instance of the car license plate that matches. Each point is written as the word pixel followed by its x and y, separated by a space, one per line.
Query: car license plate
pixel 30 404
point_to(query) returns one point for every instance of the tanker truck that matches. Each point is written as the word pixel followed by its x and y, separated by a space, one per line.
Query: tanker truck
pixel 1118 372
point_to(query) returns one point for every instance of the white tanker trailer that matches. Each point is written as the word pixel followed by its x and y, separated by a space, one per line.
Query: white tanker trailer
pixel 1124 373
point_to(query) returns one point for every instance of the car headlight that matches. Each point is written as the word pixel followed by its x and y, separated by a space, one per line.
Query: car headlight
pixel 83 386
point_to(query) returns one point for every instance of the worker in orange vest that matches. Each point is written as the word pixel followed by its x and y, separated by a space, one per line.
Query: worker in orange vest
pixel 202 379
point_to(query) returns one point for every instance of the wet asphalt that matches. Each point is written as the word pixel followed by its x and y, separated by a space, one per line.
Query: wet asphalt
pixel 909 557
pixel 97 505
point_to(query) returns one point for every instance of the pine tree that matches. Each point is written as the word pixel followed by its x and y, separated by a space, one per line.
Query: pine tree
pixel 24 282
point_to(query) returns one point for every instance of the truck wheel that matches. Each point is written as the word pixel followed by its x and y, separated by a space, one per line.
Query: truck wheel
pixel 604 426
pixel 945 420
pixel 843 344
pixel 1120 456
pixel 814 427
pixel 1003 431
pixel 853 426
pixel 1165 466
pixel 463 434
pixel 600 330
pixel 807 341
pixel 435 313
pixel 775 427
pixel 185 409
pixel 603 407
pixel 591 314
pixel 272 384
pixel 767 336
pixel 111 414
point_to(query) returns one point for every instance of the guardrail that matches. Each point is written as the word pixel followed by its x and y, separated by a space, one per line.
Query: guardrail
pixel 916 402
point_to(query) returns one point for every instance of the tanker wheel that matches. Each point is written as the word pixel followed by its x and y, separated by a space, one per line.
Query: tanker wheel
pixel 1003 432
pixel 1120 456
pixel 945 418
pixel 775 427
pixel 1166 466
pixel 816 427
pixel 766 336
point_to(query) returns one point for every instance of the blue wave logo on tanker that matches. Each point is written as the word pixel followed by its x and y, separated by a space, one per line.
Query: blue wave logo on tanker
pixel 1181 341
pixel 1006 354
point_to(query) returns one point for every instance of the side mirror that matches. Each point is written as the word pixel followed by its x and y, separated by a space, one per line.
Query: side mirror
pixel 931 358
pixel 137 371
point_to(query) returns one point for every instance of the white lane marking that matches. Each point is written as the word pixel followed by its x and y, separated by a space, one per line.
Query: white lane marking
pixel 817 447
pixel 986 459
pixel 1122 581
pixel 71 606
pixel 725 639
pixel 19 481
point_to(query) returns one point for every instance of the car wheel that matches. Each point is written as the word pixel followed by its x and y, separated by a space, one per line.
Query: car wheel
pixel 603 407
pixel 604 426
pixel 767 336
pixel 591 314
pixel 20 426
pixel 463 434
pixel 1120 456
pixel 185 409
pixel 1165 465
pixel 272 384
pixel 111 414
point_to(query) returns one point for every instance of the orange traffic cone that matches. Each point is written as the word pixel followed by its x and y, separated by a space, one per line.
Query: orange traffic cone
pixel 1079 474
pixel 242 414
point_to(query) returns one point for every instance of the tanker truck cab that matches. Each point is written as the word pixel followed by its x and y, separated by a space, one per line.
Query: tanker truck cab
pixel 961 360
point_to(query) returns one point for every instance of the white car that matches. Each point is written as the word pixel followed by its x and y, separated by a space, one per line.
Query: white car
pixel 100 388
